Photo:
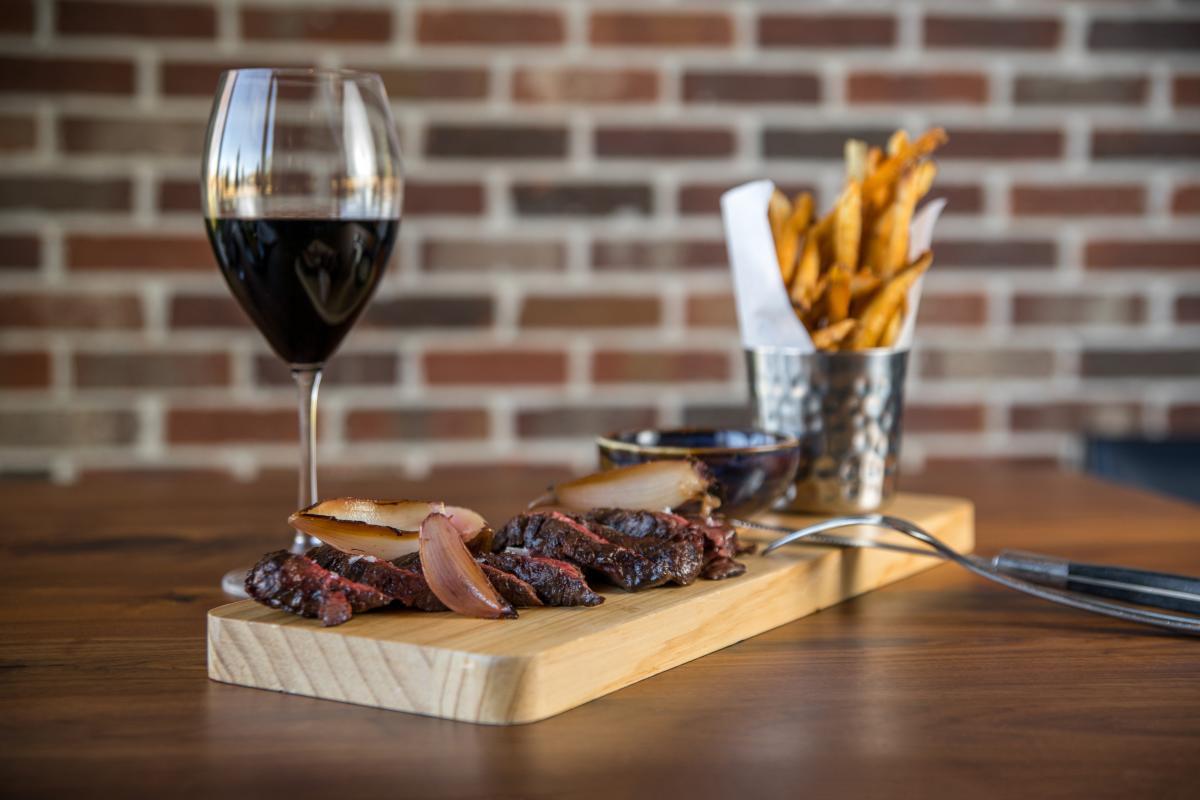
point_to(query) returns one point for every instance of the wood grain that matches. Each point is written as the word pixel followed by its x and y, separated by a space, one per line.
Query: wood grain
pixel 553 659
pixel 939 685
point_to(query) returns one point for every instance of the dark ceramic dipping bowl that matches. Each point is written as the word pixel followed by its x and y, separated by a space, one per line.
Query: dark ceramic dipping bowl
pixel 751 468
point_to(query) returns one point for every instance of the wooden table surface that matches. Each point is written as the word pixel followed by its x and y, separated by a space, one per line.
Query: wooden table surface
pixel 941 685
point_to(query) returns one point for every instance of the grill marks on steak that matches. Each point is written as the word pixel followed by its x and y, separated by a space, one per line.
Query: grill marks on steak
pixel 626 561
pixel 298 584
pixel 556 582
pixel 716 540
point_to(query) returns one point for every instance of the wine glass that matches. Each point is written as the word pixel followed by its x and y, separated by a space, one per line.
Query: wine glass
pixel 301 188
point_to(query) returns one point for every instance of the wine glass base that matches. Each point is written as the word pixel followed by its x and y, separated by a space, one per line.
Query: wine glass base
pixel 234 583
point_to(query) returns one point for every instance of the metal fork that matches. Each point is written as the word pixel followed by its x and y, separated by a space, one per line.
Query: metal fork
pixel 1178 592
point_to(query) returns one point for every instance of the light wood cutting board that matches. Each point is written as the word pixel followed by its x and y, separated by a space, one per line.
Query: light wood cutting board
pixel 553 659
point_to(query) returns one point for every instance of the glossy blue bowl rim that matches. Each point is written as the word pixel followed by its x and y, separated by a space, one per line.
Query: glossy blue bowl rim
pixel 617 441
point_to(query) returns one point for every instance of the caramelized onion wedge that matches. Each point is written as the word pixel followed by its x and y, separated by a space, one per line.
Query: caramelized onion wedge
pixel 453 574
pixel 653 486
pixel 384 529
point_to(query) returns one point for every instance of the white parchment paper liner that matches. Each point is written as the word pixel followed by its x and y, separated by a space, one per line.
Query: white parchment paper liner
pixel 765 315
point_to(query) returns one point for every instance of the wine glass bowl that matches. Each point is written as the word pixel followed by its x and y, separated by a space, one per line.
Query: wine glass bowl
pixel 301 186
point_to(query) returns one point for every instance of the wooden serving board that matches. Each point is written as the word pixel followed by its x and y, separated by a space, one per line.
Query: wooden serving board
pixel 553 659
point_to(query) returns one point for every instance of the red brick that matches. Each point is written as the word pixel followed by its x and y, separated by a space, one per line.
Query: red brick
pixel 131 137
pixel 232 426
pixel 508 255
pixel 203 311
pixel 17 17
pixel 495 141
pixel 200 78
pixel 433 83
pixel 1057 200
pixel 460 311
pixel 591 311
pixel 42 75
pixel 1077 309
pixel 943 418
pixel 179 195
pixel 333 24
pixel 1142 254
pixel 76 427
pixel 705 198
pixel 961 198
pixel 508 367
pixel 839 31
pixel 585 85
pixel 151 370
pixel 816 143
pixel 1186 199
pixel 1186 90
pixel 1184 419
pixel 914 87
pixel 747 86
pixel 1014 144
pixel 582 199
pixel 158 473
pixel 346 369
pixel 1187 308
pixel 1075 417
pixel 51 193
pixel 975 364
pixel 1157 363
pixel 652 29
pixel 710 415
pixel 659 366
pixel 995 253
pixel 980 32
pixel 1141 144
pixel 443 199
pixel 74 311
pixel 582 421
pixel 1149 35
pixel 19 252
pixel 416 424
pixel 139 252
pixel 151 20
pixel 657 143
pixel 24 369
pixel 488 26
pixel 665 254
pixel 966 309
pixel 1060 90
pixel 18 132
pixel 711 311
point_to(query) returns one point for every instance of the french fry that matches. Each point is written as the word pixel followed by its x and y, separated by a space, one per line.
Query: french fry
pixel 875 254
pixel 902 212
pixel 802 212
pixel 883 305
pixel 778 210
pixel 862 284
pixel 848 230
pixel 897 142
pixel 879 187
pixel 804 289
pixel 891 331
pixel 874 159
pixel 830 337
pixel 788 245
pixel 856 160
pixel 837 306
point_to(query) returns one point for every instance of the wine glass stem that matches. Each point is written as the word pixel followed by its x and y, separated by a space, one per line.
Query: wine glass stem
pixel 308 380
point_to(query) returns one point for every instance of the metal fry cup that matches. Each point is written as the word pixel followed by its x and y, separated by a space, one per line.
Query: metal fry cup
pixel 845 408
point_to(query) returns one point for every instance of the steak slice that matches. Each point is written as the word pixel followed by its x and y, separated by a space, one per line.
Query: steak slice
pixel 512 588
pixel 630 563
pixel 556 582
pixel 720 568
pixel 517 592
pixel 713 537
pixel 404 584
pixel 301 586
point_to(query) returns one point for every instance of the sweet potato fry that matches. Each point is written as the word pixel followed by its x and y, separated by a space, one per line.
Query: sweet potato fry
pixel 849 226
pixel 838 301
pixel 830 337
pixel 883 305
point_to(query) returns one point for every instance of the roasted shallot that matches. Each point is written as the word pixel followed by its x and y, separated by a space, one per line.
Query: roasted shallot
pixel 386 529
pixel 653 486
pixel 454 575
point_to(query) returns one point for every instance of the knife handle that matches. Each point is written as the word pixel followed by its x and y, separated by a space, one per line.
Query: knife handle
pixel 1156 589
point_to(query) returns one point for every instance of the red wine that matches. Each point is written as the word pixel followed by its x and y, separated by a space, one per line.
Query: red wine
pixel 303 281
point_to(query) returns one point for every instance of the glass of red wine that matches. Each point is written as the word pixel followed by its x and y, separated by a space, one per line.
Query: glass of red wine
pixel 301 188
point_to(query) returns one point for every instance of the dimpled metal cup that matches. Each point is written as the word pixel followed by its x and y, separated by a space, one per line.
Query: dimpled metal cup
pixel 845 409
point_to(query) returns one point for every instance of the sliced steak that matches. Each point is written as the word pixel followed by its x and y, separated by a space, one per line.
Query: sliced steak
pixel 512 588
pixel 721 568
pixel 404 584
pixel 301 586
pixel 713 537
pixel 556 582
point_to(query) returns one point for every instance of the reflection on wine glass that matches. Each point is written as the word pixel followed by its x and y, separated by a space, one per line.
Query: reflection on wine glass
pixel 301 188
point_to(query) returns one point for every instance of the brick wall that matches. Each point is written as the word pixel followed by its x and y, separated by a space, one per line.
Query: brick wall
pixel 561 269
